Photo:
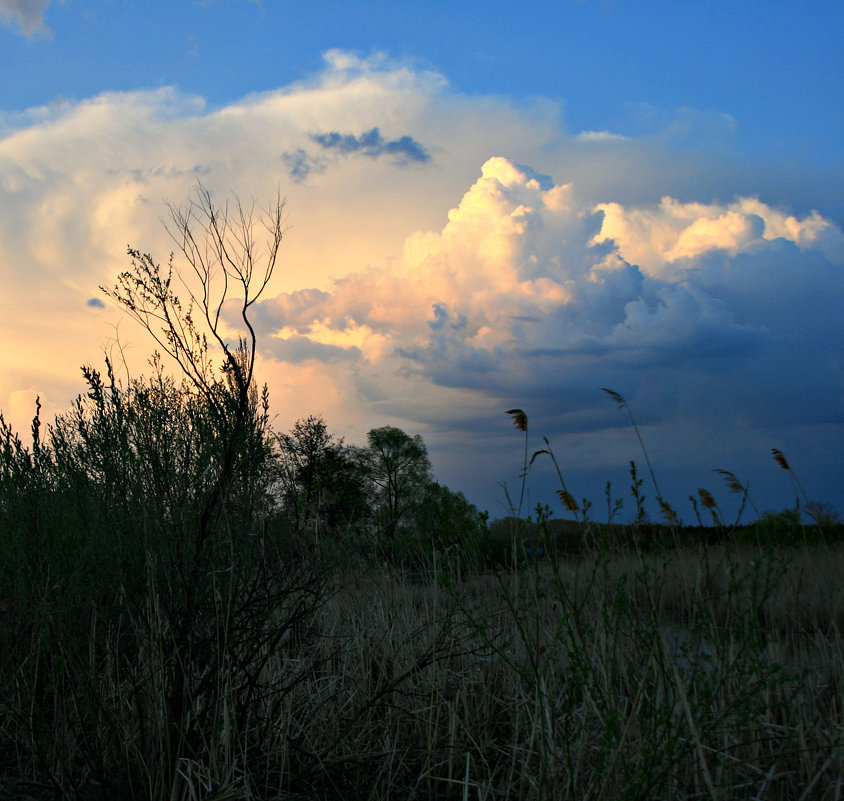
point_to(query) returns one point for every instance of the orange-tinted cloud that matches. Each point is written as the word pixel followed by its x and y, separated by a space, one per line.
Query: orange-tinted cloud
pixel 436 292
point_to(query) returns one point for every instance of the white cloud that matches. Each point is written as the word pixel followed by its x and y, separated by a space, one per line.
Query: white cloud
pixel 600 136
pixel 81 181
pixel 517 299
pixel 657 237
pixel 541 284
pixel 516 278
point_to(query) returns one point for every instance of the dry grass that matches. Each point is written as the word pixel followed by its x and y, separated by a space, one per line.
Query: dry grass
pixel 700 675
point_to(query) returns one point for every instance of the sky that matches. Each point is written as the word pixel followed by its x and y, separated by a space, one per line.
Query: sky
pixel 487 208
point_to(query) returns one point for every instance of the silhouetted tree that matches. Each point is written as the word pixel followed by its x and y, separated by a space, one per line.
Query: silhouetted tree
pixel 322 481
pixel 399 470
pixel 446 518
pixel 224 558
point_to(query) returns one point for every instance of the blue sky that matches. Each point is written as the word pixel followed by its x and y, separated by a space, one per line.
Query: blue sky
pixel 489 208
pixel 775 69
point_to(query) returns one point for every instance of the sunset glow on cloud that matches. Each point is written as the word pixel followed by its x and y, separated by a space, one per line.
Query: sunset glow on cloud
pixel 448 256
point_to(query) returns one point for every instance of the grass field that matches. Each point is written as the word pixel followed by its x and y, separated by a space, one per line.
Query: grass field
pixel 709 672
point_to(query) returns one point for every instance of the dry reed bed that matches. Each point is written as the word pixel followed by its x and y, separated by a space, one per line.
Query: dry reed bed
pixel 710 675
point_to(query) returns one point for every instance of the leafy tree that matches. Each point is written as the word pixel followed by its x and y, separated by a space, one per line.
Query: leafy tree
pixel 399 470
pixel 446 518
pixel 322 487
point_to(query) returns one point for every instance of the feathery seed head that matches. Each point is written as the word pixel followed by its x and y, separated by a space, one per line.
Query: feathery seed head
pixel 668 512
pixel 520 419
pixel 706 499
pixel 568 500
pixel 615 396
pixel 732 482
pixel 780 459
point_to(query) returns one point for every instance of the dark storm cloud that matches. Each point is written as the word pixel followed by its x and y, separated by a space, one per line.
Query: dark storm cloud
pixel 300 165
pixel 371 143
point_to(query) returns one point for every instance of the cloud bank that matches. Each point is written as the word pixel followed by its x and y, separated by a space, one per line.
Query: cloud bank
pixel 530 296
pixel 432 278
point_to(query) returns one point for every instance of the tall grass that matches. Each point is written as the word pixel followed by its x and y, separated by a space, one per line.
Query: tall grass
pixel 593 661
pixel 714 674
pixel 703 674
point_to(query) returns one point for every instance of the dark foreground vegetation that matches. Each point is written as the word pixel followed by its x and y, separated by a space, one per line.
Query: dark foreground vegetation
pixel 196 606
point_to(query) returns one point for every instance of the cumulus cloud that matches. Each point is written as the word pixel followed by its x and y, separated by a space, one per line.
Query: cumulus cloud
pixel 529 293
pixel 523 268
pixel 667 239
pixel 28 14
pixel 435 298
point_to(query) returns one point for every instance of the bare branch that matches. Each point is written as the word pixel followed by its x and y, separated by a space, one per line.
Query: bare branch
pixel 226 262
pixel 225 255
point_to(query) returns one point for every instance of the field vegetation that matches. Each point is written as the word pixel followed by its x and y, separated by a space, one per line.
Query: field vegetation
pixel 194 605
